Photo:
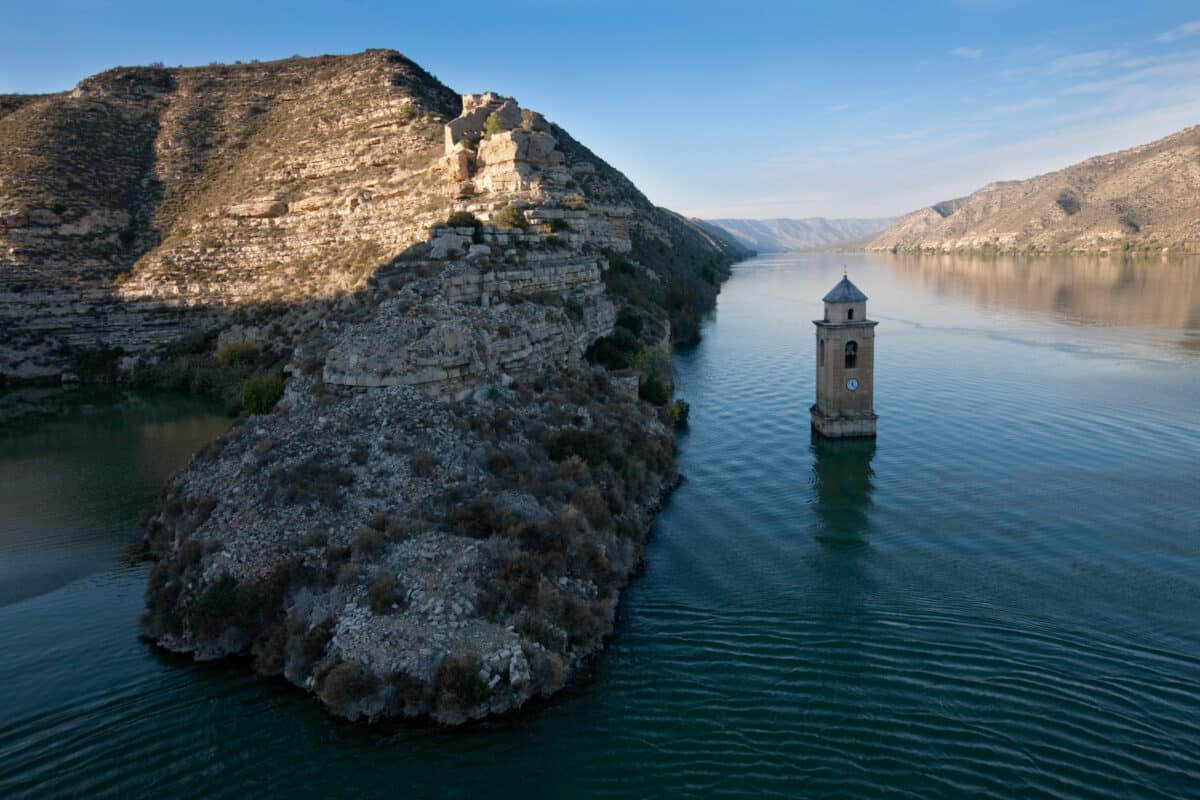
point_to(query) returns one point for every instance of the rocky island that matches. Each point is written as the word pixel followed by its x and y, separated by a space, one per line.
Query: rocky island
pixel 447 326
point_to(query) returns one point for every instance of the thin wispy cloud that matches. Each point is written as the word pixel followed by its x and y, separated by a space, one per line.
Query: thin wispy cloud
pixel 967 52
pixel 1179 75
pixel 1084 61
pixel 1181 32
pixel 1135 63
pixel 1026 105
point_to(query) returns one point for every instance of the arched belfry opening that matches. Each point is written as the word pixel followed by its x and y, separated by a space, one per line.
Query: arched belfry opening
pixel 851 355
pixel 850 313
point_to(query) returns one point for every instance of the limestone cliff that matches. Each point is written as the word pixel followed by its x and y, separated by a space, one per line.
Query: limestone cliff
pixel 148 201
pixel 1142 199
pixel 439 514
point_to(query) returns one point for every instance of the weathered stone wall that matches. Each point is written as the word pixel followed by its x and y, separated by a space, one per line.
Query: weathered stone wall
pixel 833 398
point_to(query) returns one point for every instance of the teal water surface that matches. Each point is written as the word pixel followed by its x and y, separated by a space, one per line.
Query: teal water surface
pixel 999 597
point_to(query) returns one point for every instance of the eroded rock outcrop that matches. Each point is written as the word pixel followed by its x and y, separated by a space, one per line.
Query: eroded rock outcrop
pixel 439 515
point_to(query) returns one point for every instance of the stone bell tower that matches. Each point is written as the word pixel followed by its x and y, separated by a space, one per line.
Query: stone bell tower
pixel 845 365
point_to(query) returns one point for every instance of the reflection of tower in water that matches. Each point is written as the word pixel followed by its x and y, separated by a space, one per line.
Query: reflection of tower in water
pixel 842 478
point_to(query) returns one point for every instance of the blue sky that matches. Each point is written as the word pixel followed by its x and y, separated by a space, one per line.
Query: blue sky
pixel 755 109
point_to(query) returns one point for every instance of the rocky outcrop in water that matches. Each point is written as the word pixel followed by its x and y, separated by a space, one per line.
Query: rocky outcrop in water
pixel 439 514
pixel 1142 199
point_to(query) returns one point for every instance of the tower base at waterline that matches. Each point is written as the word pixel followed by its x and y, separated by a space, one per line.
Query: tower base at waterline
pixel 842 426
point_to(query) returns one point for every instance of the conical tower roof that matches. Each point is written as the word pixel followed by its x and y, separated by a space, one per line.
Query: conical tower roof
pixel 844 292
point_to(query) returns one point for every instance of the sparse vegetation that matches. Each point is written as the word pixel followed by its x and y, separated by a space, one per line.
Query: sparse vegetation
pixel 260 392
pixel 459 684
pixel 311 481
pixel 237 354
pixel 654 390
pixel 423 462
pixel 510 217
pixel 1068 201
pixel 462 219
pixel 383 592
pixel 492 125
pixel 97 364
pixel 675 414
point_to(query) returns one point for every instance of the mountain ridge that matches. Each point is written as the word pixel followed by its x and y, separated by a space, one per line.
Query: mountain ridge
pixel 1139 199
pixel 808 233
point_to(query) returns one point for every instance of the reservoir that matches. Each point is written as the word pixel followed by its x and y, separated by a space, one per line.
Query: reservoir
pixel 999 596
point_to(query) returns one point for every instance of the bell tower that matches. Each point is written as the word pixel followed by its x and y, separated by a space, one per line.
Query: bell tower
pixel 845 365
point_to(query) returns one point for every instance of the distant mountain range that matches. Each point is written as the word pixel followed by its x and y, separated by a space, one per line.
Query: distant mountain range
pixel 1142 199
pixel 812 233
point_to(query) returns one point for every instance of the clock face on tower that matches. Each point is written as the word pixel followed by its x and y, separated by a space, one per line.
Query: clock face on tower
pixel 852 384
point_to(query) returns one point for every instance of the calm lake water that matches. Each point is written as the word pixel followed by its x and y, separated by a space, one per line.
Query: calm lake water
pixel 999 597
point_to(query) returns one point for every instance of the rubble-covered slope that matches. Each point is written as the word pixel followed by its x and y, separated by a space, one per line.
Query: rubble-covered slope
pixel 1141 199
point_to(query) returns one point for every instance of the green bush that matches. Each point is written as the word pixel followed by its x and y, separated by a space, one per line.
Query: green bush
pixel 675 414
pixel 217 607
pixel 462 219
pixel 618 350
pixel 491 126
pixel 654 391
pixel 237 354
pixel 510 217
pixel 261 392
pixel 590 446
pixel 631 321
pixel 191 344
pixel 98 363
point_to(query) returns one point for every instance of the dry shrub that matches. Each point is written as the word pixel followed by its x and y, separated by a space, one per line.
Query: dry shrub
pixel 343 687
pixel 458 683
pixel 383 592
pixel 368 542
pixel 347 574
pixel 423 462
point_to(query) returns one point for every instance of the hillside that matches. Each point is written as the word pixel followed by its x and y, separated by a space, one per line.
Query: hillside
pixel 812 233
pixel 149 200
pixel 1141 199
pixel 436 492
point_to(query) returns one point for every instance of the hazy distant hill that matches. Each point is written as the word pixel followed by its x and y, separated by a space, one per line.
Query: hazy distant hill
pixel 773 235
pixel 1142 198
